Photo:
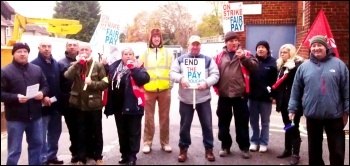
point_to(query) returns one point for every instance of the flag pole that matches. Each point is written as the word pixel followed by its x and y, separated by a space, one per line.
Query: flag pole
pixel 299 48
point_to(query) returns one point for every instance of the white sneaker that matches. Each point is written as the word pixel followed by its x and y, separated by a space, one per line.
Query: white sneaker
pixel 253 148
pixel 263 148
pixel 167 148
pixel 146 149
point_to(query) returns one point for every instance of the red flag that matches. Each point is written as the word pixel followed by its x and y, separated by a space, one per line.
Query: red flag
pixel 321 27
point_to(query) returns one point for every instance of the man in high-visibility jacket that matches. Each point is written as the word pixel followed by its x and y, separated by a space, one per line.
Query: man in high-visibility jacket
pixel 157 62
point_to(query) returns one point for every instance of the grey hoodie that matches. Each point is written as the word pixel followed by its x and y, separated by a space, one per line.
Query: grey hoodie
pixel 321 87
pixel 211 78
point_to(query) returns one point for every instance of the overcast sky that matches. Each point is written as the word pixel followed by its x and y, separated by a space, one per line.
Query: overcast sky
pixel 126 9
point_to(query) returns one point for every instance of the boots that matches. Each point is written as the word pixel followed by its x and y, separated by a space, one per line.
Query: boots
pixel 183 155
pixel 296 149
pixel 287 146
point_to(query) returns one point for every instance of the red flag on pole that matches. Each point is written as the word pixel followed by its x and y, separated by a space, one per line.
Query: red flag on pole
pixel 321 27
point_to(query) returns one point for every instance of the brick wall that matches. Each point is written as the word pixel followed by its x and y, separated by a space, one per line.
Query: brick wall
pixel 291 12
pixel 337 13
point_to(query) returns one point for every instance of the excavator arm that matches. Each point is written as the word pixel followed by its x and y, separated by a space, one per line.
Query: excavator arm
pixel 59 27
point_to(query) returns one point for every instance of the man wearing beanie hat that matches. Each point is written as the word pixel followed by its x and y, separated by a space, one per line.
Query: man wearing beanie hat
pixel 23 111
pixel 323 84
pixel 157 62
pixel 235 65
pixel 260 97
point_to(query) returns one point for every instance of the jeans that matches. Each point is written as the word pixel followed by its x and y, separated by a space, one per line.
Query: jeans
pixel 262 109
pixel 335 139
pixel 34 138
pixel 205 118
pixel 241 115
pixel 52 127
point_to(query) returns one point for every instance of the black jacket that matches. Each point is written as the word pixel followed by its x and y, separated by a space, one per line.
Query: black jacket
pixel 283 91
pixel 52 74
pixel 65 84
pixel 265 76
pixel 125 101
pixel 15 79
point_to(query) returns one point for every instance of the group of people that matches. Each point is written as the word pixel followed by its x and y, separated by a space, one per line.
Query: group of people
pixel 78 88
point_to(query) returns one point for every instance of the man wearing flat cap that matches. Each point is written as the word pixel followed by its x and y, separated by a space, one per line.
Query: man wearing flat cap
pixel 23 113
pixel 323 83
pixel 235 65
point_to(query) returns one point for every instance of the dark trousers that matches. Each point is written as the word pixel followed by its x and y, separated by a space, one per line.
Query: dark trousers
pixel 129 134
pixel 241 115
pixel 335 139
pixel 205 118
pixel 70 116
pixel 89 125
pixel 292 138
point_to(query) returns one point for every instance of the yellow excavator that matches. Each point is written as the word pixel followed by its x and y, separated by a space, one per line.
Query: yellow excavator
pixel 58 27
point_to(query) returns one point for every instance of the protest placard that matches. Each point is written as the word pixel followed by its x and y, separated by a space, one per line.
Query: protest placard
pixel 194 71
pixel 233 19
pixel 105 39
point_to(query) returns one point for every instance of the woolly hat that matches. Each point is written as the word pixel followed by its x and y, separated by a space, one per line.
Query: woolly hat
pixel 319 39
pixel 265 44
pixel 230 35
pixel 20 45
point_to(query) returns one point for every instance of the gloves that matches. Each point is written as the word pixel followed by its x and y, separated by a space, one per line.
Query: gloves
pixel 290 64
pixel 268 89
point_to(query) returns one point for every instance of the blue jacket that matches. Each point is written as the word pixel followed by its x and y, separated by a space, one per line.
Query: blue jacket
pixel 126 101
pixel 323 87
pixel 52 74
pixel 265 76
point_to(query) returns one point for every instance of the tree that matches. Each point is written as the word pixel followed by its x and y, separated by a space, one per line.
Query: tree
pixel 87 12
pixel 212 21
pixel 138 31
pixel 176 21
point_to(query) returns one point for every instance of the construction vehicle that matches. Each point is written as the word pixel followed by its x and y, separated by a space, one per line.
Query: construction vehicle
pixel 58 27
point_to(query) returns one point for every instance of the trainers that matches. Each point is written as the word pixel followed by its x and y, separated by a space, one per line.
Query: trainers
pixel 253 148
pixel 246 154
pixel 167 148
pixel 263 148
pixel 99 162
pixel 146 149
pixel 79 163
pixel 224 152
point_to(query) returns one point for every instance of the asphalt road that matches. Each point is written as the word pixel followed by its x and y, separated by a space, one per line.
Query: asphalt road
pixel 196 151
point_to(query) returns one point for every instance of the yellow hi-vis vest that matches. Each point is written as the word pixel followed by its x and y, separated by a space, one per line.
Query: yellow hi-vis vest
pixel 158 67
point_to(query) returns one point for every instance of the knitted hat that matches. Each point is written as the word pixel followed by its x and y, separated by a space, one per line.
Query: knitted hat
pixel 319 39
pixel 20 45
pixel 230 35
pixel 263 43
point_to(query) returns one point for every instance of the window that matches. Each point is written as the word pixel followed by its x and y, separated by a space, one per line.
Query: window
pixel 8 31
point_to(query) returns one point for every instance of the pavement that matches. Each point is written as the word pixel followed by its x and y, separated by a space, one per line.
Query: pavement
pixel 196 150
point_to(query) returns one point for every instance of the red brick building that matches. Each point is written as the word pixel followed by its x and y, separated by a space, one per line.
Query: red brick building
pixel 291 13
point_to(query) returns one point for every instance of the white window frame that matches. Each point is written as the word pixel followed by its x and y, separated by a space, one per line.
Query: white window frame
pixel 8 32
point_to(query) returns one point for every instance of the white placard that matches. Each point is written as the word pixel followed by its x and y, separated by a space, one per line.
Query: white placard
pixel 233 19
pixel 194 71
